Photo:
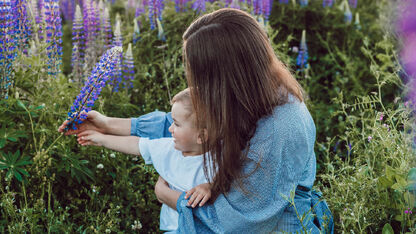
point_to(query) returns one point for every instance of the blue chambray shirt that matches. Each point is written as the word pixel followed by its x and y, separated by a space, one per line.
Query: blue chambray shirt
pixel 284 145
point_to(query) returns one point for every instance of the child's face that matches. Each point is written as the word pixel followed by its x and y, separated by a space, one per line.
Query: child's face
pixel 183 131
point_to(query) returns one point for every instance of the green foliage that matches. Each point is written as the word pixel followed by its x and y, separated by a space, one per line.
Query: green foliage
pixel 353 79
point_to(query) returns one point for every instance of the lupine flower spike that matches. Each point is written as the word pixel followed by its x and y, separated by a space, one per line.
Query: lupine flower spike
pixel 78 46
pixel 155 12
pixel 23 28
pixel 136 32
pixel 93 86
pixel 199 6
pixel 284 1
pixel 8 46
pixel 117 41
pixel 161 33
pixel 302 59
pixel 140 11
pixel 128 68
pixel 347 14
pixel 235 4
pixel 357 24
pixel 53 36
pixel 106 32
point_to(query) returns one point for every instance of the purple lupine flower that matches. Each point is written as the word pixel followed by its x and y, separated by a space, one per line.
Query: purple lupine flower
pixel 91 25
pixel 105 25
pixel 406 26
pixel 303 3
pixel 302 59
pixel 155 12
pixel 136 32
pixel 267 5
pixel 23 27
pixel 256 7
pixel 117 41
pixel 327 3
pixel 347 13
pixel 180 5
pixel 78 41
pixel 53 36
pixel 140 10
pixel 67 9
pixel 353 3
pixel 128 68
pixel 93 86
pixel 284 1
pixel 199 6
pixel 8 45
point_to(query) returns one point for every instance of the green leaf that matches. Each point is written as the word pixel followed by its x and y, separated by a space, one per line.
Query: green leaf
pixel 23 171
pixel 387 229
pixel 384 182
pixel 19 103
pixel 17 175
pixel 2 142
pixel 12 139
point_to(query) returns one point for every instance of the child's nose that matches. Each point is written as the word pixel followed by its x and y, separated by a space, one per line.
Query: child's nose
pixel 171 128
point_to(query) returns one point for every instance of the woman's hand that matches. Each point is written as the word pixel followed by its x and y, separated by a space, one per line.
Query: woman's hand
pixel 95 121
pixel 91 137
pixel 200 194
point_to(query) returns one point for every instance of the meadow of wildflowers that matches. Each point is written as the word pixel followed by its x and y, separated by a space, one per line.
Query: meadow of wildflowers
pixel 62 58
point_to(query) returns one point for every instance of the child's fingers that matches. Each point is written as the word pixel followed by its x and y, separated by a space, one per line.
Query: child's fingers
pixel 204 200
pixel 196 201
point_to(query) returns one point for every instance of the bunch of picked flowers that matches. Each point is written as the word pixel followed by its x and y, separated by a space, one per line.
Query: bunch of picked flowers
pixel 103 71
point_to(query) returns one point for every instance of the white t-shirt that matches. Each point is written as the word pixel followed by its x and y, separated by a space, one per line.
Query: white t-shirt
pixel 181 173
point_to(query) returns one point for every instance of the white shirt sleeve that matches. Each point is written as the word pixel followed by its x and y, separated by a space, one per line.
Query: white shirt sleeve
pixel 155 150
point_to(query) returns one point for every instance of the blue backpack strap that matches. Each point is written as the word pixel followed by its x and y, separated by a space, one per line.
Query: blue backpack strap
pixel 323 219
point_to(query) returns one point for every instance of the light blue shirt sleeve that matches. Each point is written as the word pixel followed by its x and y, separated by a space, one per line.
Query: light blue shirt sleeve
pixel 283 145
pixel 152 125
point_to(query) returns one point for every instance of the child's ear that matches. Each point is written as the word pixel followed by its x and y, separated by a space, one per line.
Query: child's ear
pixel 202 137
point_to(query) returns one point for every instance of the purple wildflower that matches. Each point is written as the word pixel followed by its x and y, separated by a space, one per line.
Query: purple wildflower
pixel 381 116
pixel 155 12
pixel 180 5
pixel 347 14
pixel 128 65
pixel 53 36
pixel 67 9
pixel 105 26
pixel 93 86
pixel 117 41
pixel 23 27
pixel 327 3
pixel 302 59
pixel 78 46
pixel 353 3
pixel 199 6
pixel 91 22
pixel 136 32
pixel 8 45
pixel 369 138
pixel 284 1
pixel 140 10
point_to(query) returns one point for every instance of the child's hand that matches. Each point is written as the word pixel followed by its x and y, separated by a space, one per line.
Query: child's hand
pixel 90 137
pixel 200 194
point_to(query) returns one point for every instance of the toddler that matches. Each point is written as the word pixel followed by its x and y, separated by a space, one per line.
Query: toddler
pixel 177 159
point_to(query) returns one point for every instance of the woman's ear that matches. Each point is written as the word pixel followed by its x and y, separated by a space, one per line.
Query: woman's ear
pixel 203 136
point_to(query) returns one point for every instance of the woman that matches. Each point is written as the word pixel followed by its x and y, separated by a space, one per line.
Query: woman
pixel 260 134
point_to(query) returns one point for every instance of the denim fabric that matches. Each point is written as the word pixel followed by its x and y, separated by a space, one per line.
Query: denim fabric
pixel 283 146
pixel 152 125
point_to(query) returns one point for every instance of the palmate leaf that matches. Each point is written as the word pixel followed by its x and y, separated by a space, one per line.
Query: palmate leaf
pixel 10 135
pixel 13 162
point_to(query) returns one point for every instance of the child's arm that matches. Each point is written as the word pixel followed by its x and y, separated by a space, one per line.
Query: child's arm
pixel 199 194
pixel 124 144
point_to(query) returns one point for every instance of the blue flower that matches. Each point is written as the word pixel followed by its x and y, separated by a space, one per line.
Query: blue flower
pixel 302 59
pixel 96 81
pixel 128 65
pixel 327 3
pixel 78 41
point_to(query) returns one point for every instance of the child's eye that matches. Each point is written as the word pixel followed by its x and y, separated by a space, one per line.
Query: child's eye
pixel 176 124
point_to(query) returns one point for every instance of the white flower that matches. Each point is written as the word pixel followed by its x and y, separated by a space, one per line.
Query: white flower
pixel 112 155
pixel 135 158
pixel 100 166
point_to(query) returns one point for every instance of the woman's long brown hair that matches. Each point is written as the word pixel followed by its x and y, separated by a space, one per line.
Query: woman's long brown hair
pixel 235 80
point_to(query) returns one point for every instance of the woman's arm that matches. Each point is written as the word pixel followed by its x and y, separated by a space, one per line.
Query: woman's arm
pixel 165 194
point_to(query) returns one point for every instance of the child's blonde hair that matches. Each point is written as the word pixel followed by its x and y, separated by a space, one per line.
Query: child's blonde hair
pixel 184 97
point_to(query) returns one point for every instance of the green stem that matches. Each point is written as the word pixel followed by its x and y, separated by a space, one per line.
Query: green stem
pixel 49 206
pixel 46 151
pixel 31 125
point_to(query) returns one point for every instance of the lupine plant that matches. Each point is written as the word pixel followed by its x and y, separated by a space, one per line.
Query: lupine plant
pixel 199 6
pixel 136 32
pixel 155 12
pixel 117 41
pixel 103 71
pixel 302 59
pixel 128 68
pixel 105 25
pixel 90 29
pixel 23 28
pixel 8 46
pixel 327 3
pixel 78 40
pixel 53 36
pixel 353 3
